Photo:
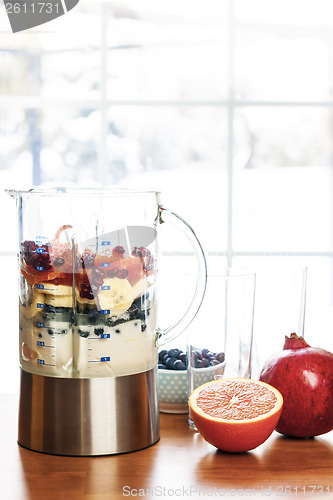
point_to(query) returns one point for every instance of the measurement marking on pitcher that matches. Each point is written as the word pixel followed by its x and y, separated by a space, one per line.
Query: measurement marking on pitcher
pixel 41 268
pixel 103 359
pixel 42 362
pixel 41 343
pixel 39 324
pixel 40 286
pixel 101 336
pixel 43 251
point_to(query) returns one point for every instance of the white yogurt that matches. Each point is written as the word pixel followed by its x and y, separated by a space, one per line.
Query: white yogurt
pixel 41 350
pixel 55 348
pixel 120 350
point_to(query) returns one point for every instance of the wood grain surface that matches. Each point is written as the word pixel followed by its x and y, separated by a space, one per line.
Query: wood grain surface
pixel 180 465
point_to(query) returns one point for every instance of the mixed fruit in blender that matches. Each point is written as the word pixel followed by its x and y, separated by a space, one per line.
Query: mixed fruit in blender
pixel 86 312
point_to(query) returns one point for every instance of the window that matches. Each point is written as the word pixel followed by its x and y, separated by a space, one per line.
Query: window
pixel 226 106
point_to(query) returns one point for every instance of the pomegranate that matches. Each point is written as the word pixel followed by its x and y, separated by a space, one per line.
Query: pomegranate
pixel 304 376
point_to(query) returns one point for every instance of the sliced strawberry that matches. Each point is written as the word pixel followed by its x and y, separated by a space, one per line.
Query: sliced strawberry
pixel 134 266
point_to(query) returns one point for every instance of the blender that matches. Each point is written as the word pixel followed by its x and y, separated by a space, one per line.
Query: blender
pixel 88 287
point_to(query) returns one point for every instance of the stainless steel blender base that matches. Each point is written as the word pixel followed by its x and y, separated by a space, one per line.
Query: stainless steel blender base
pixel 96 416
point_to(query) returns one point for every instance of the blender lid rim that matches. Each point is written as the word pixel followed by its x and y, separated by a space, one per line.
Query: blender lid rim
pixel 83 190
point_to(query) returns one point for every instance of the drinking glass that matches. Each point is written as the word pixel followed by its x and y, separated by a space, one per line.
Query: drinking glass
pixel 219 340
pixel 280 310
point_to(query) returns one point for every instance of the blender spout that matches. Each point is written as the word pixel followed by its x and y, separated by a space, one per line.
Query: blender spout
pixel 15 193
pixel 12 192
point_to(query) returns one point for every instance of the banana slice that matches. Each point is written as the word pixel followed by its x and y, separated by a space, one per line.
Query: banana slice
pixel 140 287
pixel 37 305
pixel 50 289
pixel 82 300
pixel 117 298
pixel 59 300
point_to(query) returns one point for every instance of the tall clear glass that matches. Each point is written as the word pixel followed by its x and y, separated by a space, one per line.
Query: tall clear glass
pixel 220 338
pixel 280 310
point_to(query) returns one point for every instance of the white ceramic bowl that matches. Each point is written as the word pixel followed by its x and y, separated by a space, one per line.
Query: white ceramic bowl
pixel 173 386
pixel 173 395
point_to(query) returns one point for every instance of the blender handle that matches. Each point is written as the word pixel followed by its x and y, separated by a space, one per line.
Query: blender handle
pixel 165 335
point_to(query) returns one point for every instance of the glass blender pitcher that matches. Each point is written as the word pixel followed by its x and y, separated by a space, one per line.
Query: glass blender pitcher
pixel 88 340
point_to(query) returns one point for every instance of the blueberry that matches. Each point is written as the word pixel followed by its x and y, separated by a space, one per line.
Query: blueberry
pixel 93 315
pixel 213 362
pixel 97 281
pixel 165 357
pixel 142 314
pixel 179 365
pixel 209 355
pixel 98 273
pixel 133 310
pixel 197 355
pixel 161 366
pixel 58 261
pixel 83 333
pixel 122 273
pixel 198 363
pixel 220 357
pixel 169 363
pixel 205 363
pixel 113 272
pixel 204 352
pixel 183 357
pixel 89 261
pixel 174 353
pixel 161 354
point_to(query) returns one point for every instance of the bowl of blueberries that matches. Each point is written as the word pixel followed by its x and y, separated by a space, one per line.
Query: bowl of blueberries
pixel 173 376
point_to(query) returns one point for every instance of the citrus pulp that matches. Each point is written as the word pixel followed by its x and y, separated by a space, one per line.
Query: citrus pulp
pixel 235 414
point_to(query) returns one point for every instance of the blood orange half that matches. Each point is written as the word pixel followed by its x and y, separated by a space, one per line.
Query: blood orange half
pixel 235 414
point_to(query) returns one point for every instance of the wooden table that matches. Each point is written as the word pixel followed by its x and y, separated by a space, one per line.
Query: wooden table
pixel 180 465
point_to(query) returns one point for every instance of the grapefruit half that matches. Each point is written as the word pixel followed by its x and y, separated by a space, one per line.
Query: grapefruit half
pixel 235 414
